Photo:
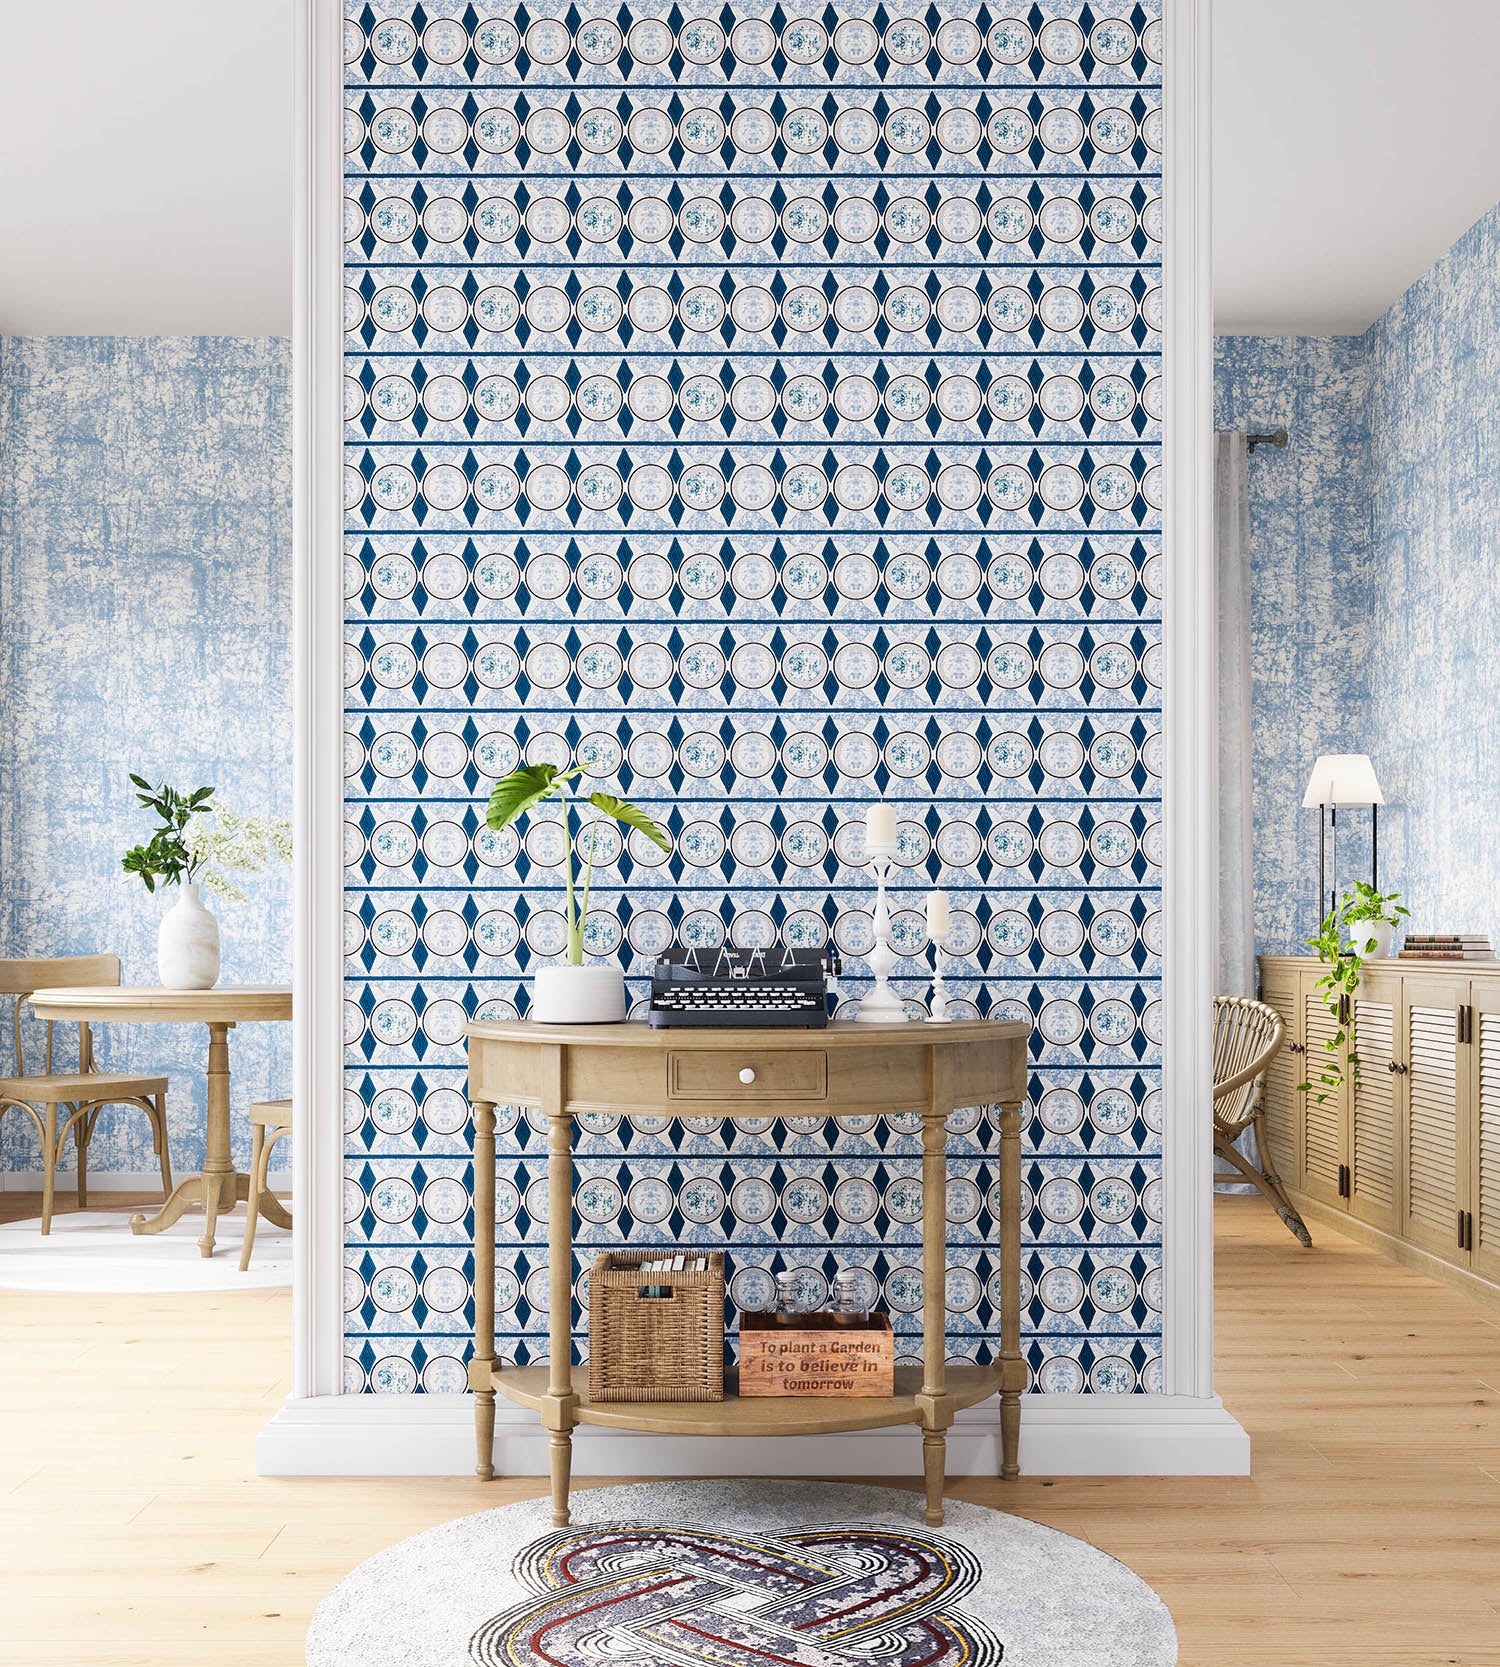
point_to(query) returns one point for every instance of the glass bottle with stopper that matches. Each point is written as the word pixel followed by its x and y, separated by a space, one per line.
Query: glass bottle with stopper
pixel 788 1309
pixel 848 1306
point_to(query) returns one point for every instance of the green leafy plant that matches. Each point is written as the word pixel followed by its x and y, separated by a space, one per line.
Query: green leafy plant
pixel 524 789
pixel 167 855
pixel 1343 948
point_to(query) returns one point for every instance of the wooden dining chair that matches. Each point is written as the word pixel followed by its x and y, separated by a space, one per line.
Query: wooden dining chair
pixel 1247 1037
pixel 79 1096
pixel 269 1121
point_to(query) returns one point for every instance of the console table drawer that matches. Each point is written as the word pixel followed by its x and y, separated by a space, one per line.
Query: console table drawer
pixel 748 1074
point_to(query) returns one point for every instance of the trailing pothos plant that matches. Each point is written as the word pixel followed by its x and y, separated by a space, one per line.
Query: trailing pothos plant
pixel 522 790
pixel 1342 947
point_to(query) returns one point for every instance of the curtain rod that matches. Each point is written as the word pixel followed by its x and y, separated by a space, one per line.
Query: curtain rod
pixel 1278 438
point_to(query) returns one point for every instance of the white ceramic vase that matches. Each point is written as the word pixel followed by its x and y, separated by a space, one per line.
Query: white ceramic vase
pixel 187 945
pixel 1381 931
pixel 568 995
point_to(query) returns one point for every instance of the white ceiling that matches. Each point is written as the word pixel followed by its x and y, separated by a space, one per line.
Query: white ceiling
pixel 146 187
pixel 1354 141
pixel 148 176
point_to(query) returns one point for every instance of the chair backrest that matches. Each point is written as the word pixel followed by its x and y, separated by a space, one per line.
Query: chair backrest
pixel 23 977
pixel 1247 1037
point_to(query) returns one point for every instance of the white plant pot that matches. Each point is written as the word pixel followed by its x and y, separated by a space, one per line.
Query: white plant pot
pixel 1383 933
pixel 569 995
pixel 187 944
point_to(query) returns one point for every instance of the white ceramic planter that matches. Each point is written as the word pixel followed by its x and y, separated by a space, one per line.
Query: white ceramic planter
pixel 187 944
pixel 1380 930
pixel 569 995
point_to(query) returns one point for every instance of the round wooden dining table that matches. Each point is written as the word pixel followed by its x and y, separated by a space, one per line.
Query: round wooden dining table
pixel 218 1187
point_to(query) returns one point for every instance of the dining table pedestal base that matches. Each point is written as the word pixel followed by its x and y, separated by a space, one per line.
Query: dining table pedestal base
pixel 217 1196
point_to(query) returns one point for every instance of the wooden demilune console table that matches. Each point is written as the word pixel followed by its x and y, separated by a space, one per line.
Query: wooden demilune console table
pixel 631 1068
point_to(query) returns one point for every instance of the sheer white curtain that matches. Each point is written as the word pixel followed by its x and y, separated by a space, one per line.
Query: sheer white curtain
pixel 1236 908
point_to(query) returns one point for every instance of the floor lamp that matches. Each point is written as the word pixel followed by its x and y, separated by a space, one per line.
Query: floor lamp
pixel 1342 778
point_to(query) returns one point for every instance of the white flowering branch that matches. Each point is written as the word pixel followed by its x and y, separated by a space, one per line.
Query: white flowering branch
pixel 234 843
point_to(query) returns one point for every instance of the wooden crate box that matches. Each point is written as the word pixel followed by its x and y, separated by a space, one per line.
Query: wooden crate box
pixel 816 1359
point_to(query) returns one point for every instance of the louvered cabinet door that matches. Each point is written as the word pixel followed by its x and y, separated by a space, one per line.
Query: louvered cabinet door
pixel 1324 1110
pixel 1436 1140
pixel 1283 1104
pixel 1484 1151
pixel 1376 1093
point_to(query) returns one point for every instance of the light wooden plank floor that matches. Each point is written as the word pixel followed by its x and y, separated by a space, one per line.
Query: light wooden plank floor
pixel 133 1532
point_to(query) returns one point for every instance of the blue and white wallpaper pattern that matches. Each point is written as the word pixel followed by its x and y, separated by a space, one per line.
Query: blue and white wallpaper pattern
pixel 145 618
pixel 760 406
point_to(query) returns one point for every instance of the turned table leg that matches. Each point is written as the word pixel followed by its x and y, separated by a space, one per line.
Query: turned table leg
pixel 934 1468
pixel 560 1463
pixel 934 1402
pixel 562 1402
pixel 216 1187
pixel 1012 1364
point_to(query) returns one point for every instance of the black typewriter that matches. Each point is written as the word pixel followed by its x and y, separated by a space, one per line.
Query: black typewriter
pixel 742 987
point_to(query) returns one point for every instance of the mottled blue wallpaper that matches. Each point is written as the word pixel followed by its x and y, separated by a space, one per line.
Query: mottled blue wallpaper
pixel 145 606
pixel 1309 517
pixel 1433 603
pixel 1375 602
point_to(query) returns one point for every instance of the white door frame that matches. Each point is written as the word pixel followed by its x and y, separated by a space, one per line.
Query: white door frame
pixel 1189 722
pixel 318 696
pixel 1183 1431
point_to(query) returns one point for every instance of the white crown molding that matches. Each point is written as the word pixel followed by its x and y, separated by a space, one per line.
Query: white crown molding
pixel 317 380
pixel 1061 1435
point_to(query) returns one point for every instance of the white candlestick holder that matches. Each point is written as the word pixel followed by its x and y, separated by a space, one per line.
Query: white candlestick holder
pixel 880 1004
pixel 938 1013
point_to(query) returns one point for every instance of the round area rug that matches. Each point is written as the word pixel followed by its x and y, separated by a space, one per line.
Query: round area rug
pixel 95 1251
pixel 741 1574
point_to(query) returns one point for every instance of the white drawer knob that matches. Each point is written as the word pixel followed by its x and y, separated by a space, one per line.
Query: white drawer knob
pixel 747 1075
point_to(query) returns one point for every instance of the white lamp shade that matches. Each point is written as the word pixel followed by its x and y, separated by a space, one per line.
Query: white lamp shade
pixel 1342 778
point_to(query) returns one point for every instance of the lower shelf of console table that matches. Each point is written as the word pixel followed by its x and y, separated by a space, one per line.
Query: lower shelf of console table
pixel 965 1386
pixel 565 1071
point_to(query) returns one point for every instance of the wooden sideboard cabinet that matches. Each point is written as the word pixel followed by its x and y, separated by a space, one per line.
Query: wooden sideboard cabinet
pixel 1409 1157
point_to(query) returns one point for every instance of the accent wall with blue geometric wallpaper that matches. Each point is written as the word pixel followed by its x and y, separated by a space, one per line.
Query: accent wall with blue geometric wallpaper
pixel 759 405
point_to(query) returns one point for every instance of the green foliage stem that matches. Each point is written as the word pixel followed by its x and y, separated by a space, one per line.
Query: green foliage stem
pixel 524 789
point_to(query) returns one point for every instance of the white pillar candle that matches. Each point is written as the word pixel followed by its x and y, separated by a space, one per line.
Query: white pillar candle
pixel 880 827
pixel 937 914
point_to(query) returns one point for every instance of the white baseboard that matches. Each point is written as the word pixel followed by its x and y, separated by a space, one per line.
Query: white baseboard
pixel 110 1180
pixel 103 1180
pixel 1061 1435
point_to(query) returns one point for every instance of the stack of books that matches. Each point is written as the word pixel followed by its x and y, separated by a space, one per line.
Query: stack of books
pixel 1440 946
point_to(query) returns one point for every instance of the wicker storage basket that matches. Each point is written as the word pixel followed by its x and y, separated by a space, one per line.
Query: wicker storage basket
pixel 656 1348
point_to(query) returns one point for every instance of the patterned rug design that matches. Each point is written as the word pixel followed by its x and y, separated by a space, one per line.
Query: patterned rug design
pixel 817 1598
pixel 741 1574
